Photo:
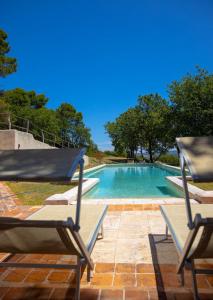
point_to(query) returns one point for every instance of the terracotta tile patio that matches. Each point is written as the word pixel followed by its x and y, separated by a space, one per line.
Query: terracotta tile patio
pixel 133 261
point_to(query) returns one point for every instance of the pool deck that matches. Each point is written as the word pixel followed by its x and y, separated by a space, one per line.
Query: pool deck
pixel 131 262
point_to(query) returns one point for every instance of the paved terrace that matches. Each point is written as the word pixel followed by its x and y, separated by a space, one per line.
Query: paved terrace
pixel 131 262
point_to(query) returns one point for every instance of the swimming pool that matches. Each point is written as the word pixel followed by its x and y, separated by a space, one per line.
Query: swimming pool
pixel 132 181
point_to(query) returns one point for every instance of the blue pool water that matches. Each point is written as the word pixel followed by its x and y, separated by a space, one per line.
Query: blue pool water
pixel 132 181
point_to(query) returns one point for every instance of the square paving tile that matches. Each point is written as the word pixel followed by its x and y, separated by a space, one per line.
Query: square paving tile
pixel 126 237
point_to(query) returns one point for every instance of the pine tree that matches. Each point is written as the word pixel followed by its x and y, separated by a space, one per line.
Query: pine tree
pixel 8 65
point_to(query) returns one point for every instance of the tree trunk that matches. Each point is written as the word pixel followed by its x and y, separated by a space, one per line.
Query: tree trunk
pixel 131 153
pixel 162 152
pixel 150 152
pixel 141 151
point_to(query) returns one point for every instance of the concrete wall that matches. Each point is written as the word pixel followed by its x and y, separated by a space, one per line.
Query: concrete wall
pixel 14 139
pixel 7 139
pixel 24 140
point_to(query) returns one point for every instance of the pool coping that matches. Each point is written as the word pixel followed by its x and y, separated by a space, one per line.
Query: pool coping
pixel 196 193
pixel 144 201
pixel 168 166
pixel 69 197
pixel 89 170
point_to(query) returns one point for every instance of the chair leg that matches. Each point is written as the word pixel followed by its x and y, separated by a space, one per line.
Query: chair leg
pixel 101 233
pixel 167 234
pixel 182 280
pixel 194 281
pixel 78 279
pixel 89 274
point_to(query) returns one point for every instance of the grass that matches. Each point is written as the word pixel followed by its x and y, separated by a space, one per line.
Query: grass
pixel 206 186
pixel 169 159
pixel 34 193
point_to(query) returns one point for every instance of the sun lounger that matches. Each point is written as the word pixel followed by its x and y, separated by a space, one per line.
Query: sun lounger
pixel 54 229
pixel 51 230
pixel 191 226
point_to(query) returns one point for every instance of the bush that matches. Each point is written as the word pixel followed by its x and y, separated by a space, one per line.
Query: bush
pixel 99 155
pixel 90 152
pixel 108 152
pixel 169 159
pixel 113 153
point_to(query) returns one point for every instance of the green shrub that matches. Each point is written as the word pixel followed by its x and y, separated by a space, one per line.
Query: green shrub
pixel 113 153
pixel 169 159
pixel 99 155
pixel 108 152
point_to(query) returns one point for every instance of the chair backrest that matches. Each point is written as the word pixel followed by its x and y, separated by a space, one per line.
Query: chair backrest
pixel 39 164
pixel 204 247
pixel 198 155
pixel 31 236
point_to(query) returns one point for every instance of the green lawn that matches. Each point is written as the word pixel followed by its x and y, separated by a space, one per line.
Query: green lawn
pixel 206 186
pixel 34 193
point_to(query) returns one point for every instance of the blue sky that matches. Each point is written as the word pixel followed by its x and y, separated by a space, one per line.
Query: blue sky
pixel 100 55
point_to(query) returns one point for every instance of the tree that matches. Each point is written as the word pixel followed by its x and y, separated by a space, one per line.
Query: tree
pixel 124 132
pixel 27 109
pixel 72 126
pixel 92 149
pixel 18 98
pixel 148 126
pixel 155 125
pixel 65 122
pixel 45 120
pixel 8 64
pixel 37 100
pixel 113 130
pixel 4 109
pixel 23 105
pixel 192 103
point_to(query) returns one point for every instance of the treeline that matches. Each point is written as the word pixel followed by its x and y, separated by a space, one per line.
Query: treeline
pixel 65 123
pixel 154 123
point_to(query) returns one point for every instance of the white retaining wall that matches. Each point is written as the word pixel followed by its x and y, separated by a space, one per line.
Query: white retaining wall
pixel 15 139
